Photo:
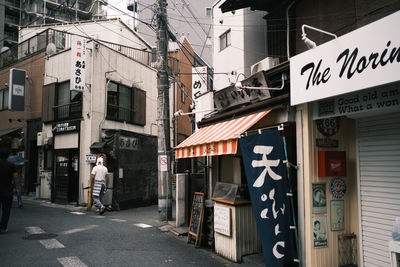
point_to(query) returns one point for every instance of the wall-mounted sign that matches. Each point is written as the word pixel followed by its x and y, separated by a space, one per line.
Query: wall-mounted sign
pixel 349 63
pixel 320 235
pixel 90 158
pixel 129 143
pixel 384 98
pixel 338 188
pixel 230 96
pixel 222 220
pixel 327 142
pixel 16 96
pixel 337 215
pixel 319 198
pixel 331 163
pixel 66 127
pixel 78 63
pixel 199 81
pixel 328 127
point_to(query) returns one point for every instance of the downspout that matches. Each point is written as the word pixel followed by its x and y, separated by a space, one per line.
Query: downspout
pixel 300 187
pixel 300 161
pixel 288 29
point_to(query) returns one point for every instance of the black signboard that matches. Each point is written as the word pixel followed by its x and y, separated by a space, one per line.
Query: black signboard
pixel 17 90
pixel 66 127
pixel 196 216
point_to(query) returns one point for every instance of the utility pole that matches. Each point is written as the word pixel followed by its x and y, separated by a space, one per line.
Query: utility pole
pixel 164 154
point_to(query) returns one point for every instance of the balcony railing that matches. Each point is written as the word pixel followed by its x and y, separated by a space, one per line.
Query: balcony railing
pixel 72 110
pixel 39 42
pixel 116 113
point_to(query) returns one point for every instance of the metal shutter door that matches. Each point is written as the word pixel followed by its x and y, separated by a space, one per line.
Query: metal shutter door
pixel 379 169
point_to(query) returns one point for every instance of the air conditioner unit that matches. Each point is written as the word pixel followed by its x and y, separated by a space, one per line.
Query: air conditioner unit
pixel 265 64
pixel 40 138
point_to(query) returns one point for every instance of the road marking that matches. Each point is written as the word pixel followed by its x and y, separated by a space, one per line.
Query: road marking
pixel 98 217
pixel 142 225
pixel 118 220
pixel 77 230
pixel 71 262
pixel 77 213
pixel 51 243
pixel 32 230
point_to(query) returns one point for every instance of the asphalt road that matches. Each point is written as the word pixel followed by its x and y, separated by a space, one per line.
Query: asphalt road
pixel 45 234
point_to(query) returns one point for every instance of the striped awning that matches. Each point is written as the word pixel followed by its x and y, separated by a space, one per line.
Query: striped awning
pixel 217 139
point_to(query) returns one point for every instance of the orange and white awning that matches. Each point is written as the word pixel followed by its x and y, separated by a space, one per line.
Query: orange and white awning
pixel 217 139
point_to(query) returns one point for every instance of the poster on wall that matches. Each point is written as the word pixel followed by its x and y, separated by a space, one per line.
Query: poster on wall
pixel 337 215
pixel 320 236
pixel 318 198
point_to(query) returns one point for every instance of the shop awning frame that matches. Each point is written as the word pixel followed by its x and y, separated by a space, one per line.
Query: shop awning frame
pixel 217 139
pixel 8 131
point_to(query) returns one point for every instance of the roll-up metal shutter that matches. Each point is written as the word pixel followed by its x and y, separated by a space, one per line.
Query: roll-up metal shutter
pixel 379 170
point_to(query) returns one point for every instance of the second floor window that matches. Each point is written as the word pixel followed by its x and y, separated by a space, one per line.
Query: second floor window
pixel 225 40
pixel 68 103
pixel 4 99
pixel 126 104
pixel 60 103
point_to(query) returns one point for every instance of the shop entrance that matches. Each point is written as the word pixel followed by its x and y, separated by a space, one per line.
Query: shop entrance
pixel 66 182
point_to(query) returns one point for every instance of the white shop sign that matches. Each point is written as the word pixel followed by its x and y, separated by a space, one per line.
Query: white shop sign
pixel 90 158
pixel 222 220
pixel 364 58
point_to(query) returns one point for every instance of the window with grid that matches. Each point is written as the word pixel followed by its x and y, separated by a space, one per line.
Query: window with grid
pixel 127 104
pixel 225 40
pixel 4 99
pixel 68 103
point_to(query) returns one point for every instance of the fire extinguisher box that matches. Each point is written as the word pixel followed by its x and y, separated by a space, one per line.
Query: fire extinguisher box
pixel 331 163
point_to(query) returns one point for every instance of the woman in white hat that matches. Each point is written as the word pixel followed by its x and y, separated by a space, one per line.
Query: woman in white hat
pixel 100 177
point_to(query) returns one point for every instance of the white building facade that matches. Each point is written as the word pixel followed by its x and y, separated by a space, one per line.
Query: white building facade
pixel 114 117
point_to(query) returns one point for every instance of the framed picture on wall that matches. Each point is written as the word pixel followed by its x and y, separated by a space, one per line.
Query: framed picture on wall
pixel 319 198
pixel 320 235
pixel 337 215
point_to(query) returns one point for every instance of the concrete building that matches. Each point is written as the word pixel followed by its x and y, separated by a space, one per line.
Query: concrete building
pixel 239 41
pixel 17 13
pixel 112 116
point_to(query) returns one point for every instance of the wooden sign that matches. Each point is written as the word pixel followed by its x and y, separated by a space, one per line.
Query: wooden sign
pixel 196 217
pixel 222 220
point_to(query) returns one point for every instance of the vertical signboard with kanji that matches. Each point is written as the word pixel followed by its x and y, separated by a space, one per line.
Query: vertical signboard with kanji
pixel 199 81
pixel 78 63
pixel 16 96
pixel 199 90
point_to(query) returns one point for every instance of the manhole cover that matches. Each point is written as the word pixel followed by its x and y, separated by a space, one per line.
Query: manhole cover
pixel 40 236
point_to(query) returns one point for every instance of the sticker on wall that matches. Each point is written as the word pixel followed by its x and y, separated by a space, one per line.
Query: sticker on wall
pixel 320 236
pixel 338 187
pixel 337 215
pixel 319 198
pixel 328 127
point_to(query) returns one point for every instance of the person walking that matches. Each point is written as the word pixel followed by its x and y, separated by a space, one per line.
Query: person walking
pixel 100 185
pixel 8 179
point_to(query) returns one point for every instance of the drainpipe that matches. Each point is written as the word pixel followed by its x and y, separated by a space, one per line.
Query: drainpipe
pixel 288 29
pixel 300 187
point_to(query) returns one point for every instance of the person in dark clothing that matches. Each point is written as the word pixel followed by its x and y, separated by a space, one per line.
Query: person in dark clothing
pixel 8 180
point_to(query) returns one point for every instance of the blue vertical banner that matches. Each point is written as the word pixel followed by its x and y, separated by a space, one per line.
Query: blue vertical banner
pixel 266 175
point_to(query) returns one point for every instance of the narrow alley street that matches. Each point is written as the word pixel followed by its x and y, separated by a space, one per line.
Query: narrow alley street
pixel 46 234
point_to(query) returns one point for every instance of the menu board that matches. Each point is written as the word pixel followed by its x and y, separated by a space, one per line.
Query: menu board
pixel 222 220
pixel 196 216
